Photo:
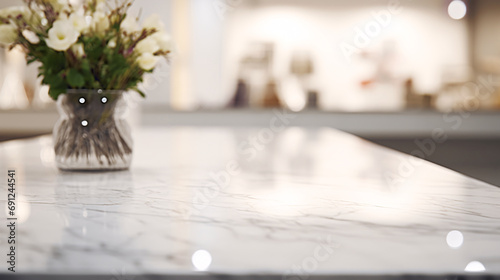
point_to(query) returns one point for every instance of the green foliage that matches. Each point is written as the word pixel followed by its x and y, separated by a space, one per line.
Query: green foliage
pixel 75 79
pixel 52 70
pixel 101 67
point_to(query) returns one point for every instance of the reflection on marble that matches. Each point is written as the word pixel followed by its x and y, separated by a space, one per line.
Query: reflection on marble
pixel 293 204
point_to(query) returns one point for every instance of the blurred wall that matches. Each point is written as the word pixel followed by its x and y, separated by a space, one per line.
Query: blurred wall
pixel 207 54
pixel 424 40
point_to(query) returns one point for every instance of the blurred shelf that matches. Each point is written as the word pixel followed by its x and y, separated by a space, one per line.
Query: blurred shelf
pixel 30 121
pixel 410 123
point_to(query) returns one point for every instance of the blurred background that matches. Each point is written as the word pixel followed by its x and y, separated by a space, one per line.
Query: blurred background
pixel 391 71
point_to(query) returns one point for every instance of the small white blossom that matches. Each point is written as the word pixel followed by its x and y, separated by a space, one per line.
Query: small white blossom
pixel 147 61
pixel 154 22
pixel 15 11
pixel 129 25
pixel 59 5
pixel 78 50
pixel 8 34
pixel 31 36
pixel 112 43
pixel 101 6
pixel 148 45
pixel 163 40
pixel 100 22
pixel 78 21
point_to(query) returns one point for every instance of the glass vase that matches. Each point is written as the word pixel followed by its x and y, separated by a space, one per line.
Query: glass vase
pixel 92 133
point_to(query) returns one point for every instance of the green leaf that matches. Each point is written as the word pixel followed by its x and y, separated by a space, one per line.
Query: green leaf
pixel 97 84
pixel 54 92
pixel 75 79
pixel 86 65
pixel 54 80
pixel 54 60
pixel 93 48
pixel 87 73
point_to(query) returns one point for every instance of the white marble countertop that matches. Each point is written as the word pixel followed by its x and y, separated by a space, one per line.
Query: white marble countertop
pixel 291 204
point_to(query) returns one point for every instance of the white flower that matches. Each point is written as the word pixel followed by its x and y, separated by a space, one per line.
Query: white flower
pixel 76 4
pixel 78 21
pixel 15 11
pixel 62 35
pixel 101 5
pixel 8 34
pixel 163 40
pixel 154 22
pixel 59 5
pixel 148 45
pixel 112 43
pixel 78 50
pixel 129 24
pixel 100 22
pixel 147 61
pixel 31 36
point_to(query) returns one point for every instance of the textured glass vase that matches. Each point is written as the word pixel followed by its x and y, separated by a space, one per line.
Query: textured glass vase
pixel 92 133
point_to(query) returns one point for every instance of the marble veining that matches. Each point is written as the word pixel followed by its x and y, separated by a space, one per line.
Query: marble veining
pixel 293 204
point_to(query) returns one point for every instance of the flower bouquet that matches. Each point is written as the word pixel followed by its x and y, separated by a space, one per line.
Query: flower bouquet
pixel 90 52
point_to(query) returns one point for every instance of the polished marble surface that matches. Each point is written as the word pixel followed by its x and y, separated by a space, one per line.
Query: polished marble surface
pixel 290 203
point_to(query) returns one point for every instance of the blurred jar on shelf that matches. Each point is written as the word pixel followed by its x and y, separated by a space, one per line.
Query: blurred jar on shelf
pixel 256 85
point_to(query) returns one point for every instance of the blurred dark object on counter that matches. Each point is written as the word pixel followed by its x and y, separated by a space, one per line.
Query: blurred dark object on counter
pixel 256 85
pixel 417 101
pixel 312 100
pixel 301 64
pixel 271 98
pixel 240 99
